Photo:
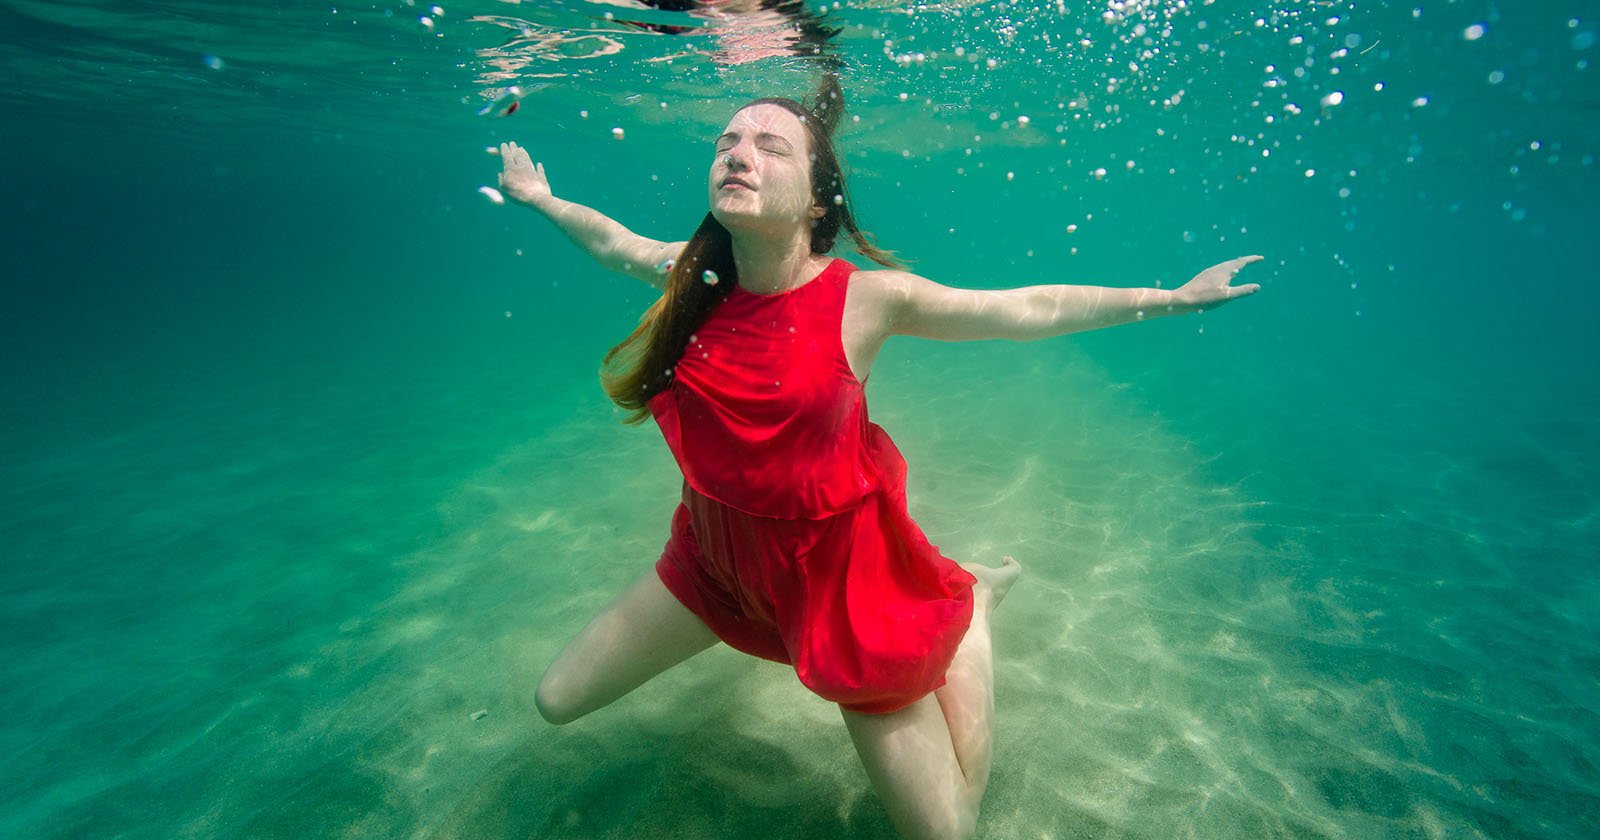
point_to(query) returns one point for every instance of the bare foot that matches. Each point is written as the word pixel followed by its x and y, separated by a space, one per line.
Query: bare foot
pixel 994 582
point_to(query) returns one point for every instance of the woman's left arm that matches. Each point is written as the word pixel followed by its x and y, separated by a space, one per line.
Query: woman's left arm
pixel 920 307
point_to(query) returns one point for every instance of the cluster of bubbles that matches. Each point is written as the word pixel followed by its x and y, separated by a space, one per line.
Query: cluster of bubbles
pixel 1333 94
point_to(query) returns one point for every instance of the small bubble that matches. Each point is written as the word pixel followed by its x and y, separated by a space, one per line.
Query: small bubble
pixel 665 267
pixel 709 277
pixel 1011 176
pixel 1310 173
pixel 425 22
pixel 1496 77
pixel 1332 99
pixel 493 195
pixel 617 133
pixel 1072 228
pixel 583 115
pixel 838 199
pixel 1473 32
pixel 1419 102
pixel 214 62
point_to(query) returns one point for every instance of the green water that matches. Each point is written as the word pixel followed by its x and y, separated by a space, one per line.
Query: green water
pixel 305 463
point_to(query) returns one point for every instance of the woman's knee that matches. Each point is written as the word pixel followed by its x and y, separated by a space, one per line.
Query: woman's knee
pixel 555 701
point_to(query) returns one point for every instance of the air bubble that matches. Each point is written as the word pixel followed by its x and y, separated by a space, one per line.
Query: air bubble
pixel 617 133
pixel 710 277
pixel 1473 32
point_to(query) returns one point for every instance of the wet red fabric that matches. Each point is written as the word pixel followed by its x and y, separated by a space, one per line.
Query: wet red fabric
pixel 793 542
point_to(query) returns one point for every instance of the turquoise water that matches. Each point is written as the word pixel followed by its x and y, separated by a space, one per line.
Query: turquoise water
pixel 305 462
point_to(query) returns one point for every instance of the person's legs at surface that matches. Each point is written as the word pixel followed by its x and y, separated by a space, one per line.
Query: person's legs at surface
pixel 645 631
pixel 929 762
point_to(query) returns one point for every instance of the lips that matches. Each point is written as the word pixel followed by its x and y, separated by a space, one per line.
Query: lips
pixel 734 180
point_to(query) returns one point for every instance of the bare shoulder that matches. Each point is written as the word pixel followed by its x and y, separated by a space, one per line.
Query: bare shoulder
pixel 902 297
pixel 884 290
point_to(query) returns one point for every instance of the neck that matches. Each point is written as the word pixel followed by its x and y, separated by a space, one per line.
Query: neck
pixel 769 266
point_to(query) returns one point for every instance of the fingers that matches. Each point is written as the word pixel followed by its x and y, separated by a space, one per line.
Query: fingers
pixel 513 156
pixel 1238 264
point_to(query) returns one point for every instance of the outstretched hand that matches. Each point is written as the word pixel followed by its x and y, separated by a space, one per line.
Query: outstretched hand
pixel 521 179
pixel 1210 288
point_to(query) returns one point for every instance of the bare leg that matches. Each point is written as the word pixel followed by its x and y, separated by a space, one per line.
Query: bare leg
pixel 645 631
pixel 929 762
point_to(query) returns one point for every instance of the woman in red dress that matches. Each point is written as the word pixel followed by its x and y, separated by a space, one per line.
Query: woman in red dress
pixel 792 541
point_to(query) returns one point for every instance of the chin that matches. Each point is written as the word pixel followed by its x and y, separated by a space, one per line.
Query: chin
pixel 734 219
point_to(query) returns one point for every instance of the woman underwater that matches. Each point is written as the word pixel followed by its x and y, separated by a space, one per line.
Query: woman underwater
pixel 792 541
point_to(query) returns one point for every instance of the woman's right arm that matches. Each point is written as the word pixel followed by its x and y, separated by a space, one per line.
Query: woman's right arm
pixel 611 244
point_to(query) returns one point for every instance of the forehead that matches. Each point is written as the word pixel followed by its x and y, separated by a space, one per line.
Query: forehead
pixel 767 119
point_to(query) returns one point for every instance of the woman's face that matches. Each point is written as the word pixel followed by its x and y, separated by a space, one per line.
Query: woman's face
pixel 761 175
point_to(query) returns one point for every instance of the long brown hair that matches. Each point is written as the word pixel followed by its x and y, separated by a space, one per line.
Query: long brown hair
pixel 642 364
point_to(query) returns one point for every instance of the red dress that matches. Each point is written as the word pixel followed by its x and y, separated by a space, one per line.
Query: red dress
pixel 793 542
